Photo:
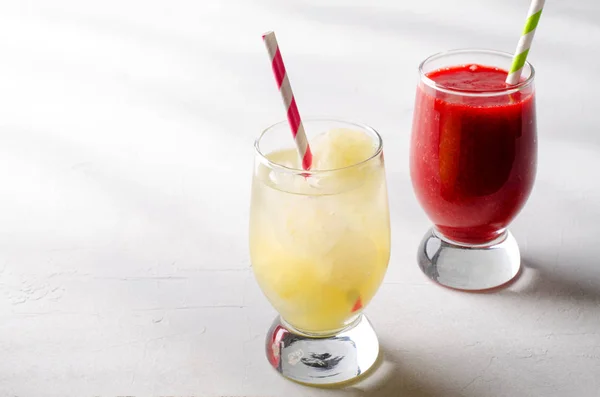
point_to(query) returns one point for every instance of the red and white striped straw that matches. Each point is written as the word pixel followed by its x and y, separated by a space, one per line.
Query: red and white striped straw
pixel 293 116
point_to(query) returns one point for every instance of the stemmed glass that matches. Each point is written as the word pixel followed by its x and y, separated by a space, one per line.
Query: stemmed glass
pixel 319 245
pixel 473 162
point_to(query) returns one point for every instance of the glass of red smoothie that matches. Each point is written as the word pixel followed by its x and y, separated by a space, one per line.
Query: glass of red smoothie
pixel 472 162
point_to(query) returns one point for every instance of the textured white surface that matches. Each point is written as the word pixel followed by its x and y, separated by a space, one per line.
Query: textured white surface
pixel 126 132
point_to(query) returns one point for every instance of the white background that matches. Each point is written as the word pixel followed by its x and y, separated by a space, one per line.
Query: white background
pixel 126 131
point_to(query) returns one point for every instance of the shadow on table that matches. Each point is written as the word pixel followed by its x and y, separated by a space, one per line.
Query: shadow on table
pixel 572 278
pixel 394 376
pixel 562 261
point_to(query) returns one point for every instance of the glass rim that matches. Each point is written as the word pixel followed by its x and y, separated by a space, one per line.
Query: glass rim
pixel 501 91
pixel 299 171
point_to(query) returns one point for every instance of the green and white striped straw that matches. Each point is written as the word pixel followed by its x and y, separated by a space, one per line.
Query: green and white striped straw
pixel 533 17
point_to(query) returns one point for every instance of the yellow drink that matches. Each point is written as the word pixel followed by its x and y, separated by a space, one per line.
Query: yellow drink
pixel 320 243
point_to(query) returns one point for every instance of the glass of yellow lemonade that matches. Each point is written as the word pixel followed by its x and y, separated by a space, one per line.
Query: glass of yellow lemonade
pixel 320 246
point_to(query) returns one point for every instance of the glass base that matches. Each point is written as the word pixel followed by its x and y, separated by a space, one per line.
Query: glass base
pixel 469 267
pixel 322 359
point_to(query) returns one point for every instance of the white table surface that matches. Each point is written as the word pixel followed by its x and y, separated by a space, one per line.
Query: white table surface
pixel 126 131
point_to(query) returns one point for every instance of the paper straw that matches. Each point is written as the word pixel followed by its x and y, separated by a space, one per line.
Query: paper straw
pixel 533 17
pixel 285 89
